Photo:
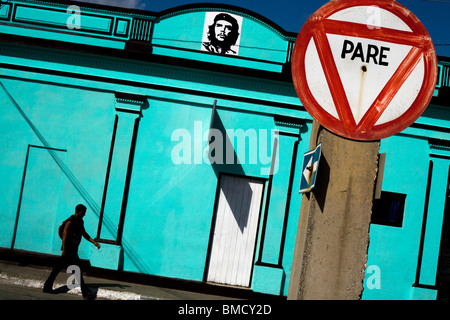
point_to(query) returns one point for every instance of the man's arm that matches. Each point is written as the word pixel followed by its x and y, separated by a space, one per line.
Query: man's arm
pixel 88 238
pixel 64 236
pixel 94 242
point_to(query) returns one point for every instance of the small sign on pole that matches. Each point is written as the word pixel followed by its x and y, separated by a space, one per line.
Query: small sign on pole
pixel 309 169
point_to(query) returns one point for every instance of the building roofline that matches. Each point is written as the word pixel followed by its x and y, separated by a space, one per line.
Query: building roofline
pixel 98 6
pixel 443 58
pixel 176 10
pixel 225 7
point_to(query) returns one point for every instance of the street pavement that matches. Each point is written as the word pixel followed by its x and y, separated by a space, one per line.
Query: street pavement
pixel 18 292
pixel 25 282
pixel 18 282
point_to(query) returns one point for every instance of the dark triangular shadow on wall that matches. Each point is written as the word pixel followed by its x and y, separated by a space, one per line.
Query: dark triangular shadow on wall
pixel 224 160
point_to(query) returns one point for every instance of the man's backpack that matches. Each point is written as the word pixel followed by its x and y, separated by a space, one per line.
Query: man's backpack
pixel 62 226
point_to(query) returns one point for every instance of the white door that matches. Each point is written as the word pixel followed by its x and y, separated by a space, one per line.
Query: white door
pixel 234 238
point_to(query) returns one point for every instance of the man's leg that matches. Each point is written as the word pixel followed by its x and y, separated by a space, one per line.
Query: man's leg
pixel 60 265
pixel 84 289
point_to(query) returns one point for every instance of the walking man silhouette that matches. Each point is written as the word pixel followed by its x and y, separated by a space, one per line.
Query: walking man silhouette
pixel 71 238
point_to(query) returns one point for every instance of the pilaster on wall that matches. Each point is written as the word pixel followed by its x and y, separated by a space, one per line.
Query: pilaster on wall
pixel 112 215
pixel 271 255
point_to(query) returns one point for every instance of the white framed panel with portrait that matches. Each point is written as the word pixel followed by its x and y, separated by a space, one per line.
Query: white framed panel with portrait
pixel 222 33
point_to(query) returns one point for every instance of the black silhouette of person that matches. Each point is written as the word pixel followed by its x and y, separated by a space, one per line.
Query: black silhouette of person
pixel 71 238
pixel 222 34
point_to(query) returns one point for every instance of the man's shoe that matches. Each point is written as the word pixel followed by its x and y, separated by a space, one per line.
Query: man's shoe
pixel 47 290
pixel 89 295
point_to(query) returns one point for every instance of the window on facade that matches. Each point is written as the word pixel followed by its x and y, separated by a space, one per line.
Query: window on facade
pixel 388 210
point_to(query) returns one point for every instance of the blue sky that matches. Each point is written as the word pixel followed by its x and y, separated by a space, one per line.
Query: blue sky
pixel 291 14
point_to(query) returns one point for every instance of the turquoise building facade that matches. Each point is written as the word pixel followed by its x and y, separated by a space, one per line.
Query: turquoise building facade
pixel 188 159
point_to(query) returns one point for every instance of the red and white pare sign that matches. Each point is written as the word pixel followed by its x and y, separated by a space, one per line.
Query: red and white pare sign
pixel 364 69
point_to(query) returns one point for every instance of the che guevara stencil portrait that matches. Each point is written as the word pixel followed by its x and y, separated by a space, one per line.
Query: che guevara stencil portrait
pixel 221 33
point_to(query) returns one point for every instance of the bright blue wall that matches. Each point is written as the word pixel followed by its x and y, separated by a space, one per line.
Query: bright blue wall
pixel 394 250
pixel 67 101
pixel 59 122
pixel 170 206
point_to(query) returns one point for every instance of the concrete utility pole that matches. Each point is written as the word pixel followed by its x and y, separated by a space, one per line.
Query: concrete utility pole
pixel 333 231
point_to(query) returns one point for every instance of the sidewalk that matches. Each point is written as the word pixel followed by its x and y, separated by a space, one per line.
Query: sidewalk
pixel 109 289
pixel 31 270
